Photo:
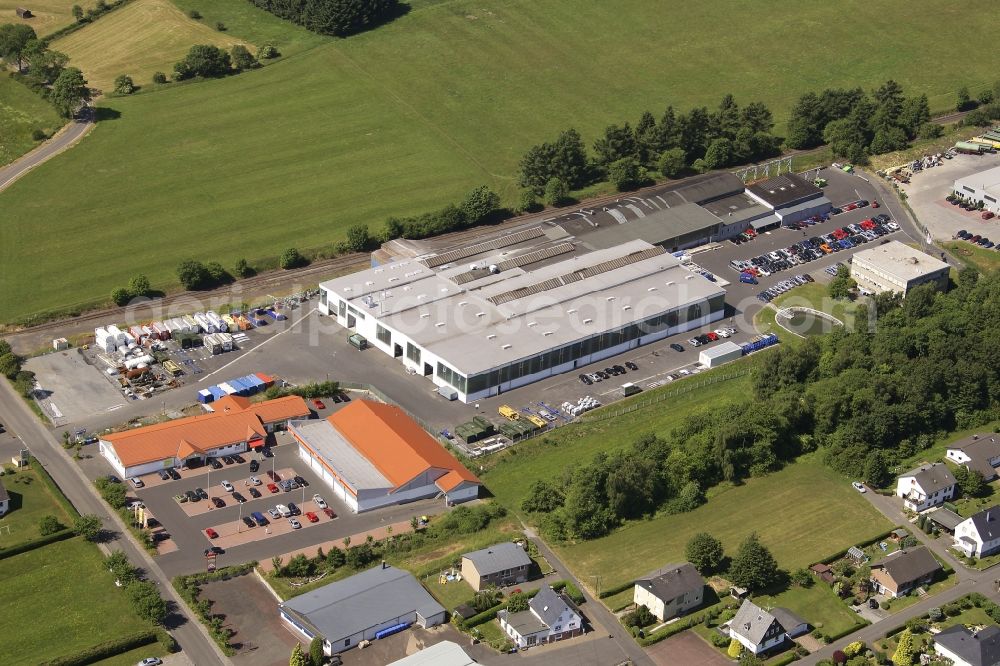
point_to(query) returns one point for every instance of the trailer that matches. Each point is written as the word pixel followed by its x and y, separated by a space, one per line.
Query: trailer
pixel 969 148
pixel 191 324
pixel 172 368
pixel 213 343
pixel 174 326
pixel 161 330
pixel 508 412
pixel 226 340
pixel 217 321
pixel 205 396
pixel 275 315
pixel 203 322
pixel 137 333
pixel 228 388
pixel 230 322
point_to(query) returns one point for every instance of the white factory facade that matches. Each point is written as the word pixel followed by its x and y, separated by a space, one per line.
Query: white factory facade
pixel 483 319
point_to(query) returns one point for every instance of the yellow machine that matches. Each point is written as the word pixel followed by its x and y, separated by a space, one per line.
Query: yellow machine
pixel 537 420
pixel 509 413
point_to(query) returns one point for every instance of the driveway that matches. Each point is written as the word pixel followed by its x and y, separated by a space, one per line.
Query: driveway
pixel 68 136
pixel 252 612
pixel 686 648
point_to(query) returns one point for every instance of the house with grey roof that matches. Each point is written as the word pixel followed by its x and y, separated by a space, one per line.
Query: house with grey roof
pixel 756 629
pixel 979 534
pixel 980 453
pixel 969 648
pixel 903 571
pixel 670 591
pixel 551 617
pixel 4 500
pixel 926 486
pixel 501 564
pixel 367 606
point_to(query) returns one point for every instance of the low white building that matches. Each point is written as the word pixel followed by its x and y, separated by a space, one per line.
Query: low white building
pixel 897 267
pixel 551 617
pixel 979 535
pixel 926 486
pixel 373 455
pixel 719 354
pixel 983 186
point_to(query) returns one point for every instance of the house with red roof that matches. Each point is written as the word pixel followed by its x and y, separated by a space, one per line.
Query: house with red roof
pixel 373 455
pixel 234 426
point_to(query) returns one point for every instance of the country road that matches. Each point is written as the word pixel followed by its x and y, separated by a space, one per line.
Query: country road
pixel 19 419
pixel 67 137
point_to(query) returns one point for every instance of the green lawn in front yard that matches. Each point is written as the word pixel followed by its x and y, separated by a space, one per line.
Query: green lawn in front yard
pixel 30 501
pixel 133 657
pixel 817 605
pixel 490 632
pixel 60 599
pixel 969 616
pixel 514 470
pixel 819 514
pixel 450 594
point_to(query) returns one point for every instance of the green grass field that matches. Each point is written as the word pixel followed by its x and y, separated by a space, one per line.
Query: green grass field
pixel 410 116
pixel 977 257
pixel 21 113
pixel 802 513
pixel 30 502
pixel 60 599
pixel 139 39
pixel 49 15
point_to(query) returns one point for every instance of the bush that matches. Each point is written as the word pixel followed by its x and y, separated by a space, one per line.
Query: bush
pixel 120 296
pixel 39 135
pixel 625 174
pixel 106 649
pixel 640 617
pixel 242 269
pixel 139 285
pixel 556 192
pixel 718 640
pixel 204 60
pixel 529 202
pixel 49 525
pixel 242 58
pixel 194 14
pixel 266 52
pixel 220 26
pixel 930 131
pixel 159 78
pixel 124 85
pixel 291 258
pixel 193 275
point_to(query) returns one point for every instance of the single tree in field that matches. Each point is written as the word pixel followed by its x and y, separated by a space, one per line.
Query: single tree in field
pixel 753 566
pixel 705 552
pixel 69 91
pixel 77 12
pixel 14 39
pixel 124 85
pixel 139 285
pixel 88 526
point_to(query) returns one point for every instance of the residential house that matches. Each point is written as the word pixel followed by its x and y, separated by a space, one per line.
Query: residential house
pixel 445 653
pixel 671 591
pixel 979 534
pixel 926 486
pixel 501 564
pixel 756 629
pixel 969 648
pixel 903 571
pixel 4 500
pixel 550 617
pixel 793 625
pixel 978 452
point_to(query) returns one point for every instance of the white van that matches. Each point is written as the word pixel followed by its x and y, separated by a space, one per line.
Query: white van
pixel 283 510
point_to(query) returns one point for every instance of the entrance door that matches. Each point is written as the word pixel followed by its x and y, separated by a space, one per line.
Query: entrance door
pixel 428 370
pixel 351 321
pixel 397 351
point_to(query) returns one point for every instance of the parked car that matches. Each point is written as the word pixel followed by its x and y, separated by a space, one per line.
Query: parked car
pixel 228 460
pixel 254 466
pixel 267 452
pixel 238 458
pixel 320 502
pixel 254 481
pixel 253 492
pixel 211 533
pixel 191 495
pixel 228 487
pixel 174 474
pixel 329 513
pixel 694 342
pixel 294 523
pixel 676 347
pixel 150 661
pixel 201 493
pixel 259 518
pixel 163 475
pixel 273 488
pixel 302 482
pixel 293 509
pixel 312 517
pixel 283 510
pixel 239 498
pixel 214 462
pixel 988 215
pixel 587 381
pixel 136 482
pixel 218 502
pixel 631 366
pixel 274 513
pixel 248 521
pixel 859 486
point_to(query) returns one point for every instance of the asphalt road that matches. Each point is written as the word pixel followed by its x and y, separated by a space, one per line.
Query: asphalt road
pixel 67 137
pixel 969 580
pixel 18 418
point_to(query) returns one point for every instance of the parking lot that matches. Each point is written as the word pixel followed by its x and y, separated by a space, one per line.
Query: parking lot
pixel 927 191
pixel 187 522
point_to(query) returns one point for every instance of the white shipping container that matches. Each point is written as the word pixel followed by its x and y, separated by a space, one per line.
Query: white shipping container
pixel 118 335
pixel 173 326
pixel 143 360
pixel 191 324
pixel 204 323
pixel 129 339
pixel 100 332
pixel 230 390
pixel 220 325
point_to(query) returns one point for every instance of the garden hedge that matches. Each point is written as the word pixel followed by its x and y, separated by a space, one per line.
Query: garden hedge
pixel 106 649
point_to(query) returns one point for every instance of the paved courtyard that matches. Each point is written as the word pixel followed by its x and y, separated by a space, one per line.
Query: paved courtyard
pixel 687 648
pixel 927 191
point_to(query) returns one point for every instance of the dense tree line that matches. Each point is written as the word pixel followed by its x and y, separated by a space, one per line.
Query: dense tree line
pixel 480 205
pixel 42 69
pixel 857 124
pixel 333 17
pixel 874 397
pixel 699 139
pixel 726 443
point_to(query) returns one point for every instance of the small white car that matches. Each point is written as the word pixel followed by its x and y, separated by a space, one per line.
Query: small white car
pixel 274 513
pixel 283 510
pixel 254 481
pixel 228 487
pixel 859 487
pixel 722 333
pixel 320 502
pixel 136 482
pixel 294 523
pixel 892 225
pixel 150 661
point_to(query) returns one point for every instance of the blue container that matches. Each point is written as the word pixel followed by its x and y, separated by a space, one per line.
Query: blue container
pixel 216 392
pixel 205 396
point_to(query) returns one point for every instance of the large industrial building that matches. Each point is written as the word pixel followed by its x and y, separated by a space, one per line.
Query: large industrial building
pixel 235 426
pixel 897 267
pixel 373 455
pixel 483 319
pixel 790 197
pixel 983 186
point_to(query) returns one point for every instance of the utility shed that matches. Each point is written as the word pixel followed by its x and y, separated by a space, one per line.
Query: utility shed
pixel 361 607
pixel 719 354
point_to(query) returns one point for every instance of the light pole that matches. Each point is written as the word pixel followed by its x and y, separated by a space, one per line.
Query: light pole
pixel 210 486
pixel 239 525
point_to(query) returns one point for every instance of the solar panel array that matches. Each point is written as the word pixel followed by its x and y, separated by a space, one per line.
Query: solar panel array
pixel 590 271
pixel 536 256
pixel 471 250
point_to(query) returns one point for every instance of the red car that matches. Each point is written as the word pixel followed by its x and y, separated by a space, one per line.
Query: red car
pixel 712 336
pixel 329 512
pixel 850 206
pixel 312 517
pixel 874 204
pixel 212 534
pixel 273 488
pixel 318 404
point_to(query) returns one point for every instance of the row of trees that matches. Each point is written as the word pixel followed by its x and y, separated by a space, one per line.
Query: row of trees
pixel 333 17
pixel 857 124
pixel 143 595
pixel 727 443
pixel 210 61
pixel 699 139
pixel 753 567
pixel 10 367
pixel 872 396
pixel 480 205
pixel 42 69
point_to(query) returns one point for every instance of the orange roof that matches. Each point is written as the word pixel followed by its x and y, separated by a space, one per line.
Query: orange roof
pixel 199 434
pixel 396 445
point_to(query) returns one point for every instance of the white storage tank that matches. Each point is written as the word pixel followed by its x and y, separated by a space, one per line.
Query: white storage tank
pixel 143 360
pixel 117 334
